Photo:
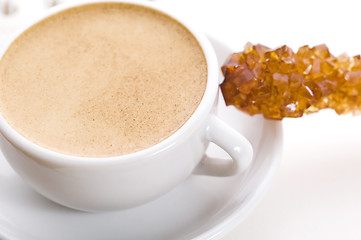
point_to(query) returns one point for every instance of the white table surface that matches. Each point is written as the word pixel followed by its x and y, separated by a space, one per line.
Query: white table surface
pixel 316 193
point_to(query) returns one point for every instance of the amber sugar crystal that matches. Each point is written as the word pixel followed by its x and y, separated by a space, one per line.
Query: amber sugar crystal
pixel 280 83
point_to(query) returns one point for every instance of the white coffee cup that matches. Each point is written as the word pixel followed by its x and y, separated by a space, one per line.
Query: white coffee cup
pixel 114 183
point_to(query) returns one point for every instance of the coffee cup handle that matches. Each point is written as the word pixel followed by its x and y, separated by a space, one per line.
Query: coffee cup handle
pixel 231 141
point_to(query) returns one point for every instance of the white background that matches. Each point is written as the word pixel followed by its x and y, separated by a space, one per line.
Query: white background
pixel 316 193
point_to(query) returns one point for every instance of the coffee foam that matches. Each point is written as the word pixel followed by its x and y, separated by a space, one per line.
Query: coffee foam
pixel 102 80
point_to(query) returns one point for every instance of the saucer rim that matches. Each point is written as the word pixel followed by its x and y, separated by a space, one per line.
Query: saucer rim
pixel 242 211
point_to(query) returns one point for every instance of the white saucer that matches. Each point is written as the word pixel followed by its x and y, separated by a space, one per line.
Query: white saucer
pixel 200 208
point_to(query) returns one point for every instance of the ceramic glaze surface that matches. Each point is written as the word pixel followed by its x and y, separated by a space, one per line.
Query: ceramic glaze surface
pixel 114 183
pixel 206 207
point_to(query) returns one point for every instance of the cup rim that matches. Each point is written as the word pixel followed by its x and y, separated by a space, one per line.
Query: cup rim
pixel 205 106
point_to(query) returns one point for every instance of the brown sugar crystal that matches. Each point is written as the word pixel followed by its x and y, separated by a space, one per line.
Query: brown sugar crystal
pixel 280 83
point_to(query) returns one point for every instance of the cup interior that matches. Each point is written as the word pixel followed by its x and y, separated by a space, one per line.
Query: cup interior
pixel 204 107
